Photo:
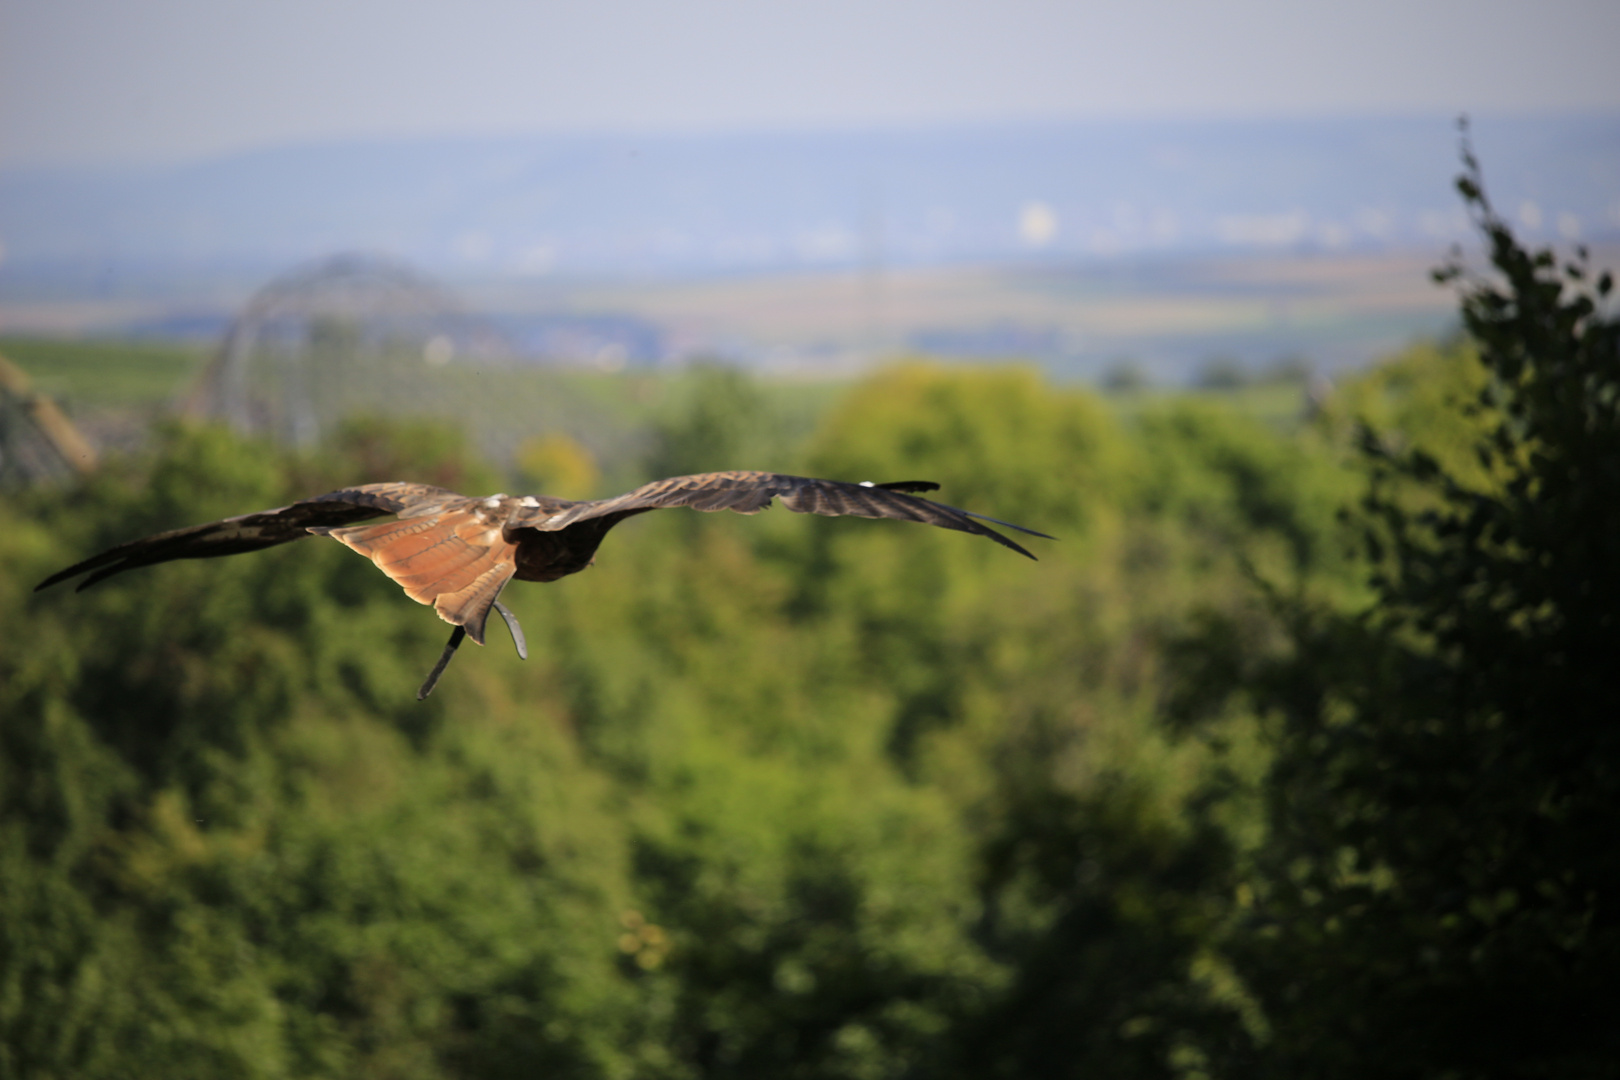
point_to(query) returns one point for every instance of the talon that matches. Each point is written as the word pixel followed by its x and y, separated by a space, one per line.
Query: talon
pixel 444 661
pixel 517 631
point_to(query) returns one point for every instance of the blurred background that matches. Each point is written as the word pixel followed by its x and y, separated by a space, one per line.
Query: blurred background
pixel 777 796
pixel 806 189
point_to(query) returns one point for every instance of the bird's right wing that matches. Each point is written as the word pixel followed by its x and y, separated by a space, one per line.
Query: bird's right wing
pixel 250 532
pixel 751 492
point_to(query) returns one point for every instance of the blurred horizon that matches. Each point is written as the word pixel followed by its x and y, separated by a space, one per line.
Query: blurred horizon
pixel 1079 246
pixel 811 188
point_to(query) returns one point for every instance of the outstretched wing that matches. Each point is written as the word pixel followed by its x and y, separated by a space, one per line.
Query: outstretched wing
pixel 751 492
pixel 250 532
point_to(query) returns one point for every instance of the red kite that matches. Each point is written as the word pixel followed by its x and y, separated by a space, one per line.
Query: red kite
pixel 457 553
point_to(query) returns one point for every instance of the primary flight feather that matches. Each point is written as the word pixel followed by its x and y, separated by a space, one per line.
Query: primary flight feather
pixel 457 552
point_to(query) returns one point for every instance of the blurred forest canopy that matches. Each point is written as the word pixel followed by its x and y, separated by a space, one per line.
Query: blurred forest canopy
pixel 1295 756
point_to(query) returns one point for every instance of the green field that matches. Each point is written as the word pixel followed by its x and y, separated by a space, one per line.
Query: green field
pixel 116 389
pixel 107 374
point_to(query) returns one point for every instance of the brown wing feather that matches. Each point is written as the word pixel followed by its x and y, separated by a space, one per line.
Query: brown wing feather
pixel 458 559
pixel 251 532
pixel 751 492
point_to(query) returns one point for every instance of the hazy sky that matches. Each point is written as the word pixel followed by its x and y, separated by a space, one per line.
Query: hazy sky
pixel 123 81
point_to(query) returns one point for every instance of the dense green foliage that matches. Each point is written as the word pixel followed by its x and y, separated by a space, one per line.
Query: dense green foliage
pixel 1214 788
pixel 1440 891
pixel 775 796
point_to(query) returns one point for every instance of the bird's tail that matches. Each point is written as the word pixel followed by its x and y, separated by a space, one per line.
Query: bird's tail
pixel 456 561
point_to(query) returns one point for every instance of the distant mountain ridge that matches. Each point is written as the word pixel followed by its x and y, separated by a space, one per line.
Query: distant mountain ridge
pixel 683 204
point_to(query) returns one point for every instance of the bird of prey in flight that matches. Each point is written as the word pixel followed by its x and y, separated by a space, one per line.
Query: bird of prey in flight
pixel 458 552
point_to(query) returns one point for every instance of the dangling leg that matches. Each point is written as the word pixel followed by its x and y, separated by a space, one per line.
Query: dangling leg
pixel 444 661
pixel 517 631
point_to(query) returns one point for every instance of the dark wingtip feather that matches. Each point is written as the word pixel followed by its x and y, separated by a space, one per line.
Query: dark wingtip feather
pixel 61 575
pixel 974 527
pixel 1014 545
pixel 103 574
pixel 72 571
pixel 1004 524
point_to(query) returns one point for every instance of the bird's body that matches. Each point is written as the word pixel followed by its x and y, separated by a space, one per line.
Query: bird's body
pixel 457 552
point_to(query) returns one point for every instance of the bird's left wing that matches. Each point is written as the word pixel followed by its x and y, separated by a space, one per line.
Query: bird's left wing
pixel 751 492
pixel 250 532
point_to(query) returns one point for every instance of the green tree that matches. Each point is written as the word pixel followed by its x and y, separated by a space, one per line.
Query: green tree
pixel 773 796
pixel 720 421
pixel 231 843
pixel 1440 892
